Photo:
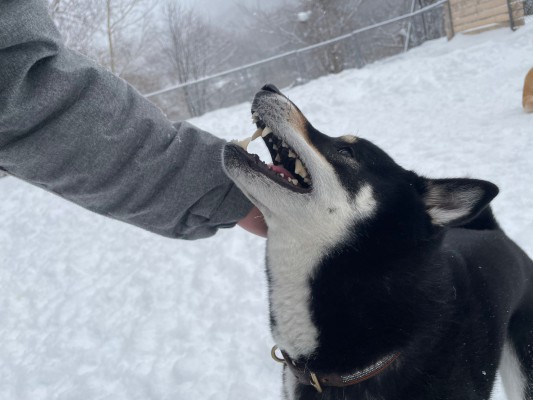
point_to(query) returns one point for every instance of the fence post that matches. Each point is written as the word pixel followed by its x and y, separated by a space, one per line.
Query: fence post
pixel 511 18
pixel 423 15
pixel 299 66
pixel 408 34
pixel 451 32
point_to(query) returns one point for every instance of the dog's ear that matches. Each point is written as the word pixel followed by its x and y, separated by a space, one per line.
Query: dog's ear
pixel 454 202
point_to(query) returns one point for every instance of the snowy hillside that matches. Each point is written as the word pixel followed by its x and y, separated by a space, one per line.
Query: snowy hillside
pixel 94 309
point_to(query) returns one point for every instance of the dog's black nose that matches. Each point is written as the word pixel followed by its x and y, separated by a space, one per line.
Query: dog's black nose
pixel 271 88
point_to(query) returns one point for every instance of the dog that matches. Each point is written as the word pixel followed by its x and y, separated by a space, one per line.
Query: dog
pixel 527 95
pixel 383 284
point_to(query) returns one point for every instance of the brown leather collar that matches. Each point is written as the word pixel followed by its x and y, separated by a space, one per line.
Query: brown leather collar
pixel 319 379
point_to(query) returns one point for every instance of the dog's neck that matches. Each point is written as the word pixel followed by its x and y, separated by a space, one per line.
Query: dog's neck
pixel 294 259
pixel 293 253
pixel 290 267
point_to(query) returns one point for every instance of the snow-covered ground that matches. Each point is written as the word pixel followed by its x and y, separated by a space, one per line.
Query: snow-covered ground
pixel 91 308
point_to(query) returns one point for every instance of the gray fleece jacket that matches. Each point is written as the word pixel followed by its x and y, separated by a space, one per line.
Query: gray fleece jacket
pixel 71 127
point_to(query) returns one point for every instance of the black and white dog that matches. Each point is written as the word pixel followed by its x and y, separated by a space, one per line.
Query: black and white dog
pixel 383 284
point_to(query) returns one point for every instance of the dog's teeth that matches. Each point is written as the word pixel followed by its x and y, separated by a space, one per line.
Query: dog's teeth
pixel 283 144
pixel 275 147
pixel 266 131
pixel 298 166
pixel 291 154
pixel 282 175
pixel 307 180
pixel 256 134
pixel 278 158
pixel 300 169
pixel 295 182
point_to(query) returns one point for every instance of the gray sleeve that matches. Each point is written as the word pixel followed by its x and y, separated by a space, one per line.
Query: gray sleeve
pixel 69 126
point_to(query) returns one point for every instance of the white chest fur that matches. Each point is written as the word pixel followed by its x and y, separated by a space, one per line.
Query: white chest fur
pixel 291 267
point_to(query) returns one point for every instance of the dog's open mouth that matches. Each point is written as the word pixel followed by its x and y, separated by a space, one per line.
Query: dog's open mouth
pixel 287 168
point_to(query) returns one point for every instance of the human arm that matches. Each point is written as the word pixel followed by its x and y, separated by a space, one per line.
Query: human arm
pixel 254 223
pixel 74 129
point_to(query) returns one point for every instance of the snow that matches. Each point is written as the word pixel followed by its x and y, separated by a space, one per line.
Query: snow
pixel 303 16
pixel 91 308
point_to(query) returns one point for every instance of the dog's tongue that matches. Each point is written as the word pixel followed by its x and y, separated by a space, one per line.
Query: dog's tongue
pixel 280 170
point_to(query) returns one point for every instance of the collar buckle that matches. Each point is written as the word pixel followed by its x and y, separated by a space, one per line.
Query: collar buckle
pixel 315 382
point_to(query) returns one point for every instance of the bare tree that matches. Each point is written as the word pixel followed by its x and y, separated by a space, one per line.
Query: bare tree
pixel 327 19
pixel 79 23
pixel 307 22
pixel 115 33
pixel 127 22
pixel 272 30
pixel 194 49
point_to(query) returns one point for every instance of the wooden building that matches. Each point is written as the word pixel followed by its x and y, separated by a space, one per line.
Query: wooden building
pixel 472 16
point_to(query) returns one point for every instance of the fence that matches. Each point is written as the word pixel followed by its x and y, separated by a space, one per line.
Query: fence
pixel 353 50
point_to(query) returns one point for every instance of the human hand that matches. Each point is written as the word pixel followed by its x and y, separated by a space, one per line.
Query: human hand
pixel 254 222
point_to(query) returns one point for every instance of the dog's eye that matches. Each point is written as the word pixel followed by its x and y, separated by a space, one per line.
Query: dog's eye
pixel 346 151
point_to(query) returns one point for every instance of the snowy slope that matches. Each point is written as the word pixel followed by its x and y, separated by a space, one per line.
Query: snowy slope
pixel 94 309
